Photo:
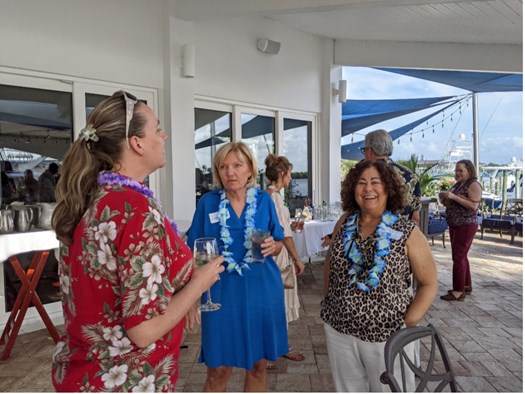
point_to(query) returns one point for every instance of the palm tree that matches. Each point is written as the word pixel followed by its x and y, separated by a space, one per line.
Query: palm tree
pixel 423 175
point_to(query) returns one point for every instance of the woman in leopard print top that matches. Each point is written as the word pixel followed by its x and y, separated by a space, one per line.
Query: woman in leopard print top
pixel 367 282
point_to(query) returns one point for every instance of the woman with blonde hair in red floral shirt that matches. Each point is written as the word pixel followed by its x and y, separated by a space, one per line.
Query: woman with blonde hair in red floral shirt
pixel 124 271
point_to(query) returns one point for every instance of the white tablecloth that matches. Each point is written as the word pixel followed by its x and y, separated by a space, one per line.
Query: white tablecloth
pixel 15 243
pixel 308 241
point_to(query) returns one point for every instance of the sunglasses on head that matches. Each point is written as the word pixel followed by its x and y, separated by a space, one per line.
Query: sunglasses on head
pixel 130 101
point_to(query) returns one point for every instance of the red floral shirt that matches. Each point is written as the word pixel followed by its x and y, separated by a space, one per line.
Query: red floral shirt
pixel 123 266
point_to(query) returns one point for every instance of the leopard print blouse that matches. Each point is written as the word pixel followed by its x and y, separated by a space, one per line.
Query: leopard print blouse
pixel 372 316
pixel 457 214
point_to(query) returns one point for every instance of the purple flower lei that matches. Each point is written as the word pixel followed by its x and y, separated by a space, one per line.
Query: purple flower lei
pixel 115 179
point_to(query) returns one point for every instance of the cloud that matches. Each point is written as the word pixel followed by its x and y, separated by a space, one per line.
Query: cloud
pixel 500 150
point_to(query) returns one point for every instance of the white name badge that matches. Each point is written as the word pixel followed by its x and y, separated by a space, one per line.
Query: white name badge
pixel 214 216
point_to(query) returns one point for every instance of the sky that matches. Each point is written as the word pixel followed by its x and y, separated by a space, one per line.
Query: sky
pixel 500 117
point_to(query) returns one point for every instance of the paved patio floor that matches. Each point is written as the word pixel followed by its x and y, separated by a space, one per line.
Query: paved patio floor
pixel 483 334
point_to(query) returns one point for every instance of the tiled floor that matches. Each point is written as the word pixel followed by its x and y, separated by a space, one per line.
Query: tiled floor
pixel 484 334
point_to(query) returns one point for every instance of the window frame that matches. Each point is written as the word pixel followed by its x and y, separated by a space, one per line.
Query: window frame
pixel 279 114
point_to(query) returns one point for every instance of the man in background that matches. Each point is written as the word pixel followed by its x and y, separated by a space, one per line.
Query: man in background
pixel 378 146
pixel 47 183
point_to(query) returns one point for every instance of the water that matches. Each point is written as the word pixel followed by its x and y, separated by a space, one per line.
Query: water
pixel 300 187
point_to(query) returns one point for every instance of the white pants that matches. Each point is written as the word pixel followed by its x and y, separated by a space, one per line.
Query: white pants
pixel 357 365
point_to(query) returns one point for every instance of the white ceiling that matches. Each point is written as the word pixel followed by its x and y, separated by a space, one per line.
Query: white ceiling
pixel 447 21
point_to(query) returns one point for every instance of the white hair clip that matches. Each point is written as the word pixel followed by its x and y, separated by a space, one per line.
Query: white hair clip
pixel 88 133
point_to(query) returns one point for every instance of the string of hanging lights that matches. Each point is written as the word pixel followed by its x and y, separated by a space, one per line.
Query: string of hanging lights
pixel 457 108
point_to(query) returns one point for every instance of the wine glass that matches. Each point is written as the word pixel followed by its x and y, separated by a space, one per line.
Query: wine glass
pixel 204 250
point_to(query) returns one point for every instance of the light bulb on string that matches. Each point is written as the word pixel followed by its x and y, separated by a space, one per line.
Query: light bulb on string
pixel 410 137
pixel 442 124
pixel 423 135
pixel 432 129
pixel 398 141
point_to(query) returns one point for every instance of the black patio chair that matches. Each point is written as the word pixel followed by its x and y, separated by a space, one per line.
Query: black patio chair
pixel 428 374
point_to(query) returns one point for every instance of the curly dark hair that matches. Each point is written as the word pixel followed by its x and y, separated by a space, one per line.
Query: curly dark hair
pixel 394 186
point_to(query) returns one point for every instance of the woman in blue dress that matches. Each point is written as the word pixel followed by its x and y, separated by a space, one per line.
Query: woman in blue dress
pixel 250 327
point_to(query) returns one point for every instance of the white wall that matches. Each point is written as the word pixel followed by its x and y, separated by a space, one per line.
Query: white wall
pixel 117 40
pixel 430 55
pixel 180 114
pixel 228 64
pixel 228 67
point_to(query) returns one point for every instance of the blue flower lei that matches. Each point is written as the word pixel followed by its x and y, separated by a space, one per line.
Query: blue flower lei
pixel 352 252
pixel 227 240
pixel 115 179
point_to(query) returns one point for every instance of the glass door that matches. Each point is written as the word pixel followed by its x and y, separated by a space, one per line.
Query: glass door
pixel 213 128
pixel 258 132
pixel 36 130
pixel 264 131
pixel 297 147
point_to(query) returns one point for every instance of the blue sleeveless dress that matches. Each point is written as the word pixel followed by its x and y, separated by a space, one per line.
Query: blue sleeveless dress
pixel 251 324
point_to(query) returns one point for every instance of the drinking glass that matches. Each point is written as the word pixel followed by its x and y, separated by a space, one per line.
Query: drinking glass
pixel 204 250
pixel 298 225
pixel 258 237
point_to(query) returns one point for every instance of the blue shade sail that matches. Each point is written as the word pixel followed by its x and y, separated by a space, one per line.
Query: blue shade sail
pixel 476 82
pixel 359 114
pixel 351 151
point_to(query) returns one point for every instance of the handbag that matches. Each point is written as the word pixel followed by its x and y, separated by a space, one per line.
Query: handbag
pixel 288 274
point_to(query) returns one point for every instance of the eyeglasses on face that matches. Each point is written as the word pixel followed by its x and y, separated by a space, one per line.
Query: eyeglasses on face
pixel 363 149
pixel 131 101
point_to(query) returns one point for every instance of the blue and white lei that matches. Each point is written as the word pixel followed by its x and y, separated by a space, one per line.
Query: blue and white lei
pixel 249 226
pixel 352 252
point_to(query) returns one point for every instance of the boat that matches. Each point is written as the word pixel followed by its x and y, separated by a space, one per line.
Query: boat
pixel 498 183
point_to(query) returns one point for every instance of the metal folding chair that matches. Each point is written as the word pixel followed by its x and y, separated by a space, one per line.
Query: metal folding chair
pixel 429 375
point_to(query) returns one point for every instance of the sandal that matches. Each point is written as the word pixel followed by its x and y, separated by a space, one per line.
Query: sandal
pixel 294 355
pixel 467 290
pixel 452 297
pixel 270 365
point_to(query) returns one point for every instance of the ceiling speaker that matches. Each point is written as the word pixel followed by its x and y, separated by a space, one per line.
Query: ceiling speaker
pixel 268 46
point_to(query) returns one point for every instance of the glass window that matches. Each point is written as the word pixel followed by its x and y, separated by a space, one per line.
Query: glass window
pixel 258 132
pixel 212 130
pixel 35 133
pixel 92 100
pixel 297 141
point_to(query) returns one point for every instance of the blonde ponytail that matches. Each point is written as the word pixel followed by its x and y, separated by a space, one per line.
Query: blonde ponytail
pixel 100 151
